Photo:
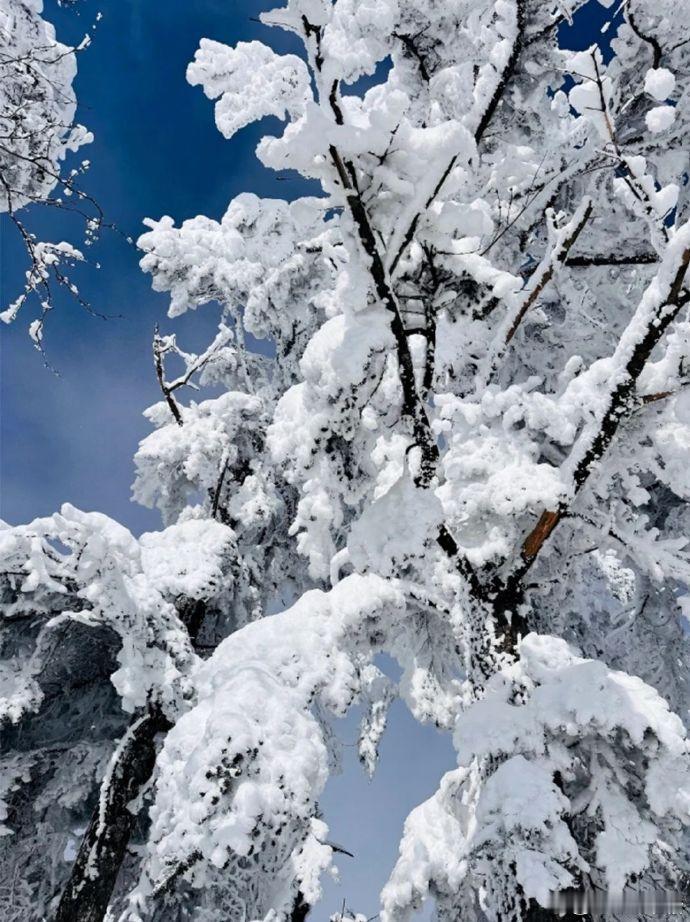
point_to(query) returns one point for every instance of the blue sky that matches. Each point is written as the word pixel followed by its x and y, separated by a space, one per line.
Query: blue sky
pixel 71 437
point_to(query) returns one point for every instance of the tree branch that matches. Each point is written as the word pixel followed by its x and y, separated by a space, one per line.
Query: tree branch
pixel 657 51
pixel 479 132
pixel 413 407
pixel 159 350
pixel 94 873
pixel 586 262
pixel 565 240
pixel 592 446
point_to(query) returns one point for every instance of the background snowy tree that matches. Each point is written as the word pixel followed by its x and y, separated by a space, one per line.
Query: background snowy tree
pixel 37 133
pixel 465 452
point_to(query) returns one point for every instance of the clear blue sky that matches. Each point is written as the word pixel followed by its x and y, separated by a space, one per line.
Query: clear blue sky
pixel 72 437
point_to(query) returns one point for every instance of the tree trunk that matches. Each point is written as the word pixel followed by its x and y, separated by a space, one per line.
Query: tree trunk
pixel 103 848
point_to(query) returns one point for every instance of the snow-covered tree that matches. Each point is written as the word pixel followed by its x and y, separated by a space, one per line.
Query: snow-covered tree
pixel 462 447
pixel 37 133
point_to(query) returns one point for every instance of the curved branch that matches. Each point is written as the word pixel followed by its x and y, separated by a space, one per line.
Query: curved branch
pixel 657 51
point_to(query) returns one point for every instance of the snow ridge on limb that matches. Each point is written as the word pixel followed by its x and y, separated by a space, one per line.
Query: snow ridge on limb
pixel 252 752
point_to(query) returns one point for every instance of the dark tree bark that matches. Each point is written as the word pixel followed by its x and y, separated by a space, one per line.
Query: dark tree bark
pixel 537 913
pixel 103 848
pixel 300 909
